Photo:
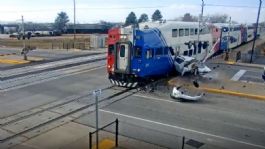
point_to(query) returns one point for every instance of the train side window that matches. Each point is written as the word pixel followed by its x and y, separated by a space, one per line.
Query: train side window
pixel 187 32
pixel 181 32
pixel 192 31
pixel 159 51
pixel 190 52
pixel 186 53
pixel 111 49
pixel 174 32
pixel 196 31
pixel 122 51
pixel 138 52
pixel 199 48
pixel 149 53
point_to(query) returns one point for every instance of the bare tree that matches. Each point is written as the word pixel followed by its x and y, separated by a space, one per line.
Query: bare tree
pixel 189 18
pixel 218 18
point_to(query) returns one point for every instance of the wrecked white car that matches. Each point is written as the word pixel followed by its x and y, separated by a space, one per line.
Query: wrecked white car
pixel 184 64
pixel 180 95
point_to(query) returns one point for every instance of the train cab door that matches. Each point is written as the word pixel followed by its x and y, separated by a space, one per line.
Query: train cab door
pixel 123 56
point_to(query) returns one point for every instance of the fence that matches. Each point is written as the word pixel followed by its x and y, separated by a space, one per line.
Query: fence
pixel 149 136
pixel 116 122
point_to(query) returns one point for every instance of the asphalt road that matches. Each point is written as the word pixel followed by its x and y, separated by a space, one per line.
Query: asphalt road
pixel 15 101
pixel 217 121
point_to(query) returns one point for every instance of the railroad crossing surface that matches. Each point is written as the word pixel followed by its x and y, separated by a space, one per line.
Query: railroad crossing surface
pixel 50 104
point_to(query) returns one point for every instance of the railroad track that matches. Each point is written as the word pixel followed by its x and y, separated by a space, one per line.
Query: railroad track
pixel 16 72
pixel 33 122
pixel 35 78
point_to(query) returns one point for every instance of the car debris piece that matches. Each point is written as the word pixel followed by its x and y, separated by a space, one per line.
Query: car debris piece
pixel 177 94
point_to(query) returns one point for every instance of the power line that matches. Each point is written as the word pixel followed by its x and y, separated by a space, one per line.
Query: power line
pixel 231 6
pixel 112 8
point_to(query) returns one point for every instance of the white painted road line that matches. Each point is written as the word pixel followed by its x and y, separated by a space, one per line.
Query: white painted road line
pixel 154 98
pixel 238 75
pixel 184 129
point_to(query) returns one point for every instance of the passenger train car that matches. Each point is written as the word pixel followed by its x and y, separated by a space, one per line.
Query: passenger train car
pixel 183 38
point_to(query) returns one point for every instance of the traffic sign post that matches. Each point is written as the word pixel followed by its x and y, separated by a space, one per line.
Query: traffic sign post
pixel 96 93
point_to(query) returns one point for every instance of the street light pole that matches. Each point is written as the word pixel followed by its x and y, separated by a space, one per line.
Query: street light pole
pixel 255 32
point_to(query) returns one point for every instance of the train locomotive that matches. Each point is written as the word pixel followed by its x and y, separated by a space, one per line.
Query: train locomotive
pixel 139 56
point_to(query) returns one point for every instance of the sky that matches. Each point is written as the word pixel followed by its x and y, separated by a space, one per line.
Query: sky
pixel 92 11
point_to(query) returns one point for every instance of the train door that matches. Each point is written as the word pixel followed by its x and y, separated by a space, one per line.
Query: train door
pixel 123 57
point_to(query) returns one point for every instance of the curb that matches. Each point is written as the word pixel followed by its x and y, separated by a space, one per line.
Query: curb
pixel 241 64
pixel 233 93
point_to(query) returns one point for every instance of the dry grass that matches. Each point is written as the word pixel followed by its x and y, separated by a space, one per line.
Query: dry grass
pixel 60 42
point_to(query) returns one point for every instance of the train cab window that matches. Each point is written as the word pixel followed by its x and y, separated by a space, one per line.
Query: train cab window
pixel 192 31
pixel 181 32
pixel 122 51
pixel 159 51
pixel 149 53
pixel 174 32
pixel 187 32
pixel 138 52
pixel 196 31
pixel 111 49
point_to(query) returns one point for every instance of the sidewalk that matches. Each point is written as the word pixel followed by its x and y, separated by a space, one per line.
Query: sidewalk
pixel 76 136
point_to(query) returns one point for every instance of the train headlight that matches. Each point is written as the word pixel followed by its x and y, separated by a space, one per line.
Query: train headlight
pixel 138 70
pixel 108 66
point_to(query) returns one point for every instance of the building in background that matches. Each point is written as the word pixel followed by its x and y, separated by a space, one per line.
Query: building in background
pixel 88 29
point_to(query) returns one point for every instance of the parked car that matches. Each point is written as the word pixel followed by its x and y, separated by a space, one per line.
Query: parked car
pixel 13 35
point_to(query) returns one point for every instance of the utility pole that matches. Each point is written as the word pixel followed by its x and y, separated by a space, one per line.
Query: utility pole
pixel 201 19
pixel 229 37
pixel 74 22
pixel 23 31
pixel 199 28
pixel 255 32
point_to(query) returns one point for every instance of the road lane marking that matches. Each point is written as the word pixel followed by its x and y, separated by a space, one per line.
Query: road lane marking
pixel 184 129
pixel 158 99
pixel 238 75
